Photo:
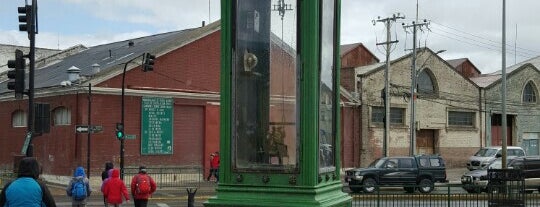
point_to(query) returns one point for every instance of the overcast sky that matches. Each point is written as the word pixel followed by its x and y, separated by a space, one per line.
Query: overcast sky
pixel 464 28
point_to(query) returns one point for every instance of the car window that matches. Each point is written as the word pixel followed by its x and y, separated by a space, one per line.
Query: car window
pixel 377 163
pixel 516 152
pixel 391 163
pixel 405 163
pixel 486 152
pixel 424 162
pixel 435 162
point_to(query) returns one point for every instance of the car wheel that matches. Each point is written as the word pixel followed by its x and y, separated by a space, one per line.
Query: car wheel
pixel 425 186
pixel 369 185
pixel 409 189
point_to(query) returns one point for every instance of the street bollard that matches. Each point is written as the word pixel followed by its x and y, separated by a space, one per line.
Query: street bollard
pixel 191 196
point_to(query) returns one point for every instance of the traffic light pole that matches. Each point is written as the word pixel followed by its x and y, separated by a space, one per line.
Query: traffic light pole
pixel 31 56
pixel 146 67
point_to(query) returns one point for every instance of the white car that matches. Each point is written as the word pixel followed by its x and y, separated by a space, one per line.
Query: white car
pixel 486 155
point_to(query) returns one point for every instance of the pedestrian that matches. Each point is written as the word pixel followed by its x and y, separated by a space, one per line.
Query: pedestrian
pixel 27 190
pixel 142 187
pixel 109 176
pixel 79 188
pixel 104 175
pixel 115 190
pixel 211 167
pixel 214 165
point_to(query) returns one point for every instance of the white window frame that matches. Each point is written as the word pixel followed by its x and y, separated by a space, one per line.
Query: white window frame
pixel 19 119
pixel 62 116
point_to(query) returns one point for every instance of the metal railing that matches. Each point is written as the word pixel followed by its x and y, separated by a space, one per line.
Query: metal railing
pixel 167 177
pixel 6 175
pixel 447 195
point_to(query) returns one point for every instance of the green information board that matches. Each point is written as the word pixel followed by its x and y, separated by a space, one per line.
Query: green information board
pixel 157 126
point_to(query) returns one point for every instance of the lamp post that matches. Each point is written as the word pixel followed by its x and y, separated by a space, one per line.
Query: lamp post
pixel 122 115
pixel 414 76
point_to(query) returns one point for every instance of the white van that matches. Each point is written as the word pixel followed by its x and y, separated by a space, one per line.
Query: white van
pixel 486 155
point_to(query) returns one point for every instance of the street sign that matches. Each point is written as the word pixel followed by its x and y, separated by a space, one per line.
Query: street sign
pixel 130 136
pixel 88 129
pixel 26 143
pixel 96 128
pixel 81 128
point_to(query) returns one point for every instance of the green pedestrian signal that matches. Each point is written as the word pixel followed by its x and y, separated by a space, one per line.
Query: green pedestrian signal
pixel 120 130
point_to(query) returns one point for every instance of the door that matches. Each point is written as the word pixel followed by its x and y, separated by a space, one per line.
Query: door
pixel 496 130
pixel 425 141
pixel 530 143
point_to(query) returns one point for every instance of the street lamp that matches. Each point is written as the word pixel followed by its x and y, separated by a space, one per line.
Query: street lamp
pixel 412 124
pixel 122 138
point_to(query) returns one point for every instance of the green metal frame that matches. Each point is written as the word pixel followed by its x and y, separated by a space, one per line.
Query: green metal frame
pixel 305 187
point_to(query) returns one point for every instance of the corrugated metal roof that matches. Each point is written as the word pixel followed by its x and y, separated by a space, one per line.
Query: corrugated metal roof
pixel 455 62
pixel 107 56
pixel 535 61
pixel 368 68
pixel 485 80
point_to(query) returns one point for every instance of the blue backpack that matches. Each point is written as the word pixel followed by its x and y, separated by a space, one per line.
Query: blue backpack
pixel 78 190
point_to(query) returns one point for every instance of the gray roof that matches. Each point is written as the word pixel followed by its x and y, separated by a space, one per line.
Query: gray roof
pixel 490 79
pixel 535 61
pixel 107 56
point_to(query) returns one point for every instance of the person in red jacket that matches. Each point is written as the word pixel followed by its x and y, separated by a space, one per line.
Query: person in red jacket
pixel 115 189
pixel 142 187
pixel 214 165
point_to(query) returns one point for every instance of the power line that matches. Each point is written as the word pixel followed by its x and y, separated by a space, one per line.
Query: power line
pixel 482 38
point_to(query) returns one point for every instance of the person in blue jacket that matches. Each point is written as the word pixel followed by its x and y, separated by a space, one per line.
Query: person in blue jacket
pixel 27 190
pixel 78 176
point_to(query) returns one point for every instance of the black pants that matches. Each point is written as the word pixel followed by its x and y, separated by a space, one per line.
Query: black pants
pixel 140 202
pixel 215 172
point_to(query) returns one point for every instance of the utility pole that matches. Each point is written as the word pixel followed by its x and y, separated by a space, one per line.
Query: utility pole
pixel 503 87
pixel 388 22
pixel 412 125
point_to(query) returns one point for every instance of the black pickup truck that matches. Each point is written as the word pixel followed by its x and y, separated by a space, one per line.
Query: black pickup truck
pixel 420 171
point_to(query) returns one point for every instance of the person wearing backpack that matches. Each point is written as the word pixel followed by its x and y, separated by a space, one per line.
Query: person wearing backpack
pixel 78 188
pixel 142 187
pixel 27 190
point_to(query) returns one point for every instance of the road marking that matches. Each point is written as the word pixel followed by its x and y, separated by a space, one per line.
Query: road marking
pixel 162 205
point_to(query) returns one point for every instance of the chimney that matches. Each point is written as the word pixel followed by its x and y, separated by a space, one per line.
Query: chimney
pixel 95 68
pixel 73 74
pixel 131 43
pixel 203 23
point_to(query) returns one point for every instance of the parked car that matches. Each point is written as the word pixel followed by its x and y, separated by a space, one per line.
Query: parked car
pixel 419 172
pixel 477 181
pixel 486 155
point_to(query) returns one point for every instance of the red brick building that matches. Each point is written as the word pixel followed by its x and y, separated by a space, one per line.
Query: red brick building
pixel 186 72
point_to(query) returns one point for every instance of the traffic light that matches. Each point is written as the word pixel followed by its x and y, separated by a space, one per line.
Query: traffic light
pixel 120 130
pixel 17 74
pixel 148 62
pixel 25 18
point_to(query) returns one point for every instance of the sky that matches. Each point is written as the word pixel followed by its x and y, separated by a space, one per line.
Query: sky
pixel 463 28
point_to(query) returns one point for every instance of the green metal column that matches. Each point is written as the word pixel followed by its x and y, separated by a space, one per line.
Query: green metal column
pixel 279 136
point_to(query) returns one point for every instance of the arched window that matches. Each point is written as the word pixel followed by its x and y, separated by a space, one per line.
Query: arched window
pixel 425 82
pixel 62 116
pixel 529 93
pixel 18 119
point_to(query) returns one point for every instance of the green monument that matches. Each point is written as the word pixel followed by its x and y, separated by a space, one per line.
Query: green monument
pixel 280 141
